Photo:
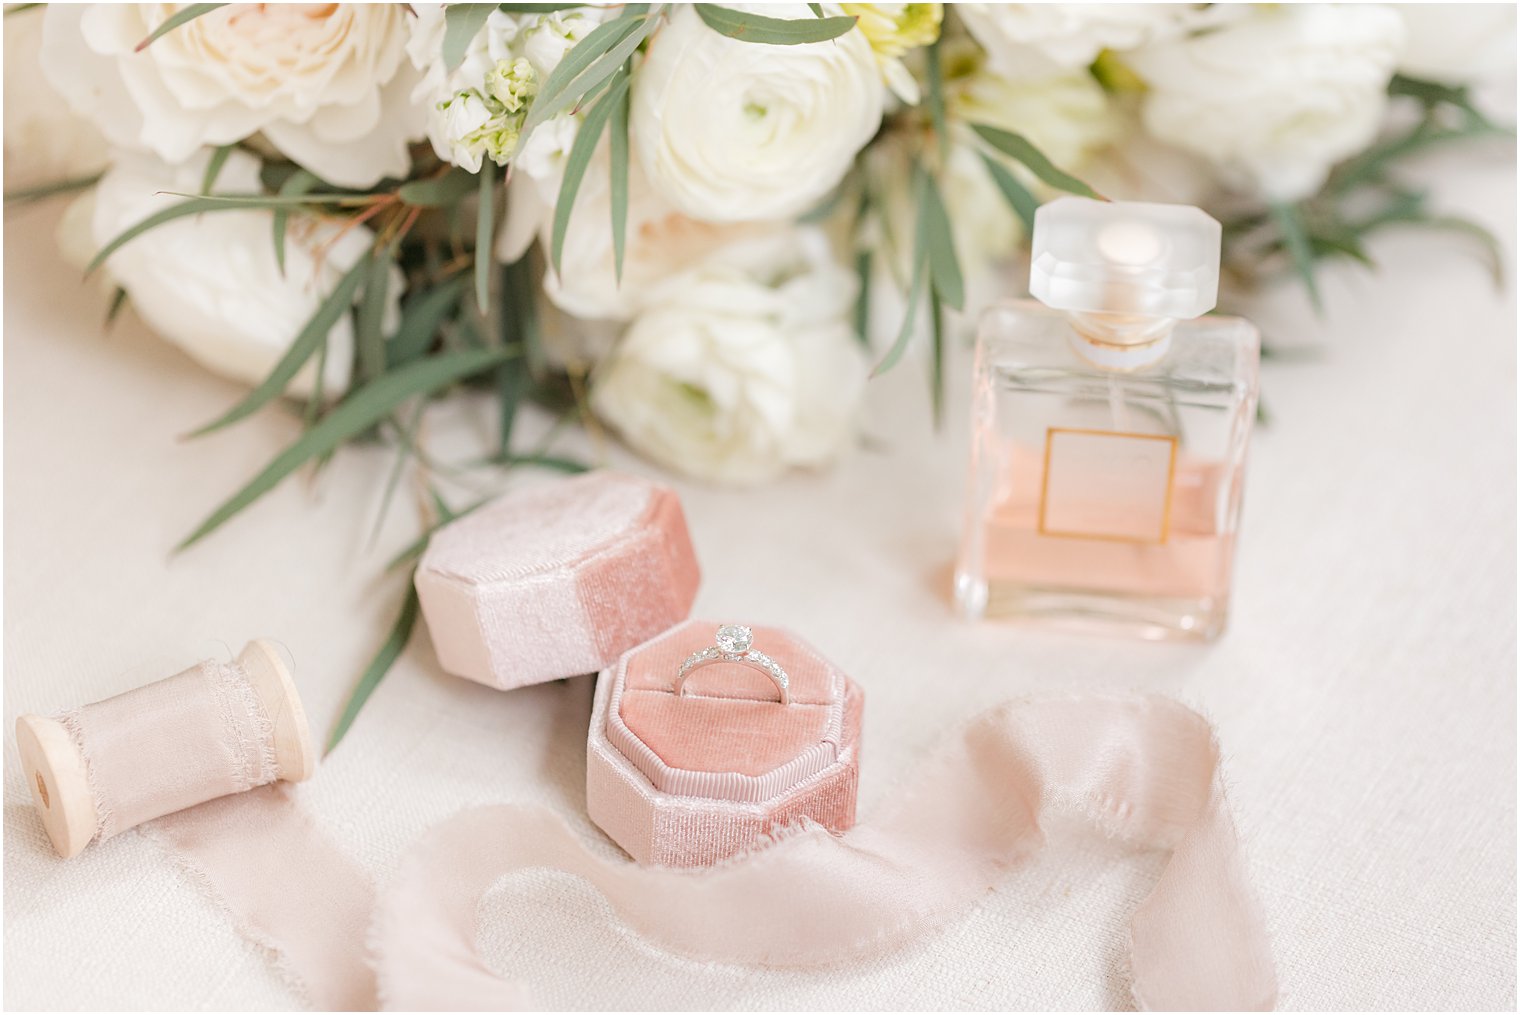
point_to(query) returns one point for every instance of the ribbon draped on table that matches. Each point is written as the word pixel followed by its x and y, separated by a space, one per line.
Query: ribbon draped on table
pixel 1145 770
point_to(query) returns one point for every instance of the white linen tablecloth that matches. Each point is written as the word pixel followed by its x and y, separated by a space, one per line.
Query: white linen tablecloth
pixel 1364 696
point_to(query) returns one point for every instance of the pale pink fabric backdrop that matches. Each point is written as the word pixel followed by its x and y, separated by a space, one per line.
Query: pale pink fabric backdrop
pixel 1364 698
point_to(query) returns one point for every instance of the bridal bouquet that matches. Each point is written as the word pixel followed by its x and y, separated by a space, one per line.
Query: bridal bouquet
pixel 702 226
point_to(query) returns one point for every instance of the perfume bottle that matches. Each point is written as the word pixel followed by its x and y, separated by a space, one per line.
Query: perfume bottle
pixel 1109 429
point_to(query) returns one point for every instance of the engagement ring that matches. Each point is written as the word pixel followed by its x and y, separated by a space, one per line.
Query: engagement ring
pixel 733 646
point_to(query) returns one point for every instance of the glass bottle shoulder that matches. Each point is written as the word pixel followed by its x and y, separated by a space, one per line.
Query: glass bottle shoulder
pixel 1026 340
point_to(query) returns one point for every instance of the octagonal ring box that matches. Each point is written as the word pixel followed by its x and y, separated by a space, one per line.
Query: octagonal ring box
pixel 687 780
pixel 557 580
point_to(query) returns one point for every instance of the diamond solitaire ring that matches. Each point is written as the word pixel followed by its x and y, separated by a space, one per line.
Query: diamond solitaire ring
pixel 733 646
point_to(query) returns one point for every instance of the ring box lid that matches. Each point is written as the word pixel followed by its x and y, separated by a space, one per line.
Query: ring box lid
pixel 557 580
pixel 727 737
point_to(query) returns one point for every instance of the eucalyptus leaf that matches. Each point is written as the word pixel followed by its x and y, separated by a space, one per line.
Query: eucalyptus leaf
pixel 1023 203
pixel 536 8
pixel 936 79
pixel 863 267
pixel 380 665
pixel 297 184
pixel 1296 242
pixel 404 448
pixel 358 412
pixel 461 23
pixel 214 167
pixel 571 79
pixel 757 28
pixel 182 16
pixel 1493 250
pixel 118 300
pixel 617 143
pixel 485 220
pixel 579 158
pixel 1020 149
pixel 939 244
pixel 910 319
pixel 438 191
pixel 334 306
pixel 201 205
pixel 414 549
pixel 422 317
pixel 26 195
pixel 369 339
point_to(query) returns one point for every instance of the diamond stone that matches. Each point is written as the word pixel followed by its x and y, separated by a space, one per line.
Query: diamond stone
pixel 735 638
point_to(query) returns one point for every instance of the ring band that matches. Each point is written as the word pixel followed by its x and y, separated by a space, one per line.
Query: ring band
pixel 733 646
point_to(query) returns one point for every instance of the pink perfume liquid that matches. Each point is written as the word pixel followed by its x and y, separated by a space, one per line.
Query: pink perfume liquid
pixel 1191 561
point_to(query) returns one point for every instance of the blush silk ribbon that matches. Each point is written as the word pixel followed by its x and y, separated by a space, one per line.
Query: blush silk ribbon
pixel 1145 770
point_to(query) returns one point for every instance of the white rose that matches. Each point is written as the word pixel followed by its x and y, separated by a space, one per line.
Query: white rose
pixel 327 86
pixel 1274 99
pixel 44 140
pixel 1039 40
pixel 734 131
pixel 211 285
pixel 1470 42
pixel 742 367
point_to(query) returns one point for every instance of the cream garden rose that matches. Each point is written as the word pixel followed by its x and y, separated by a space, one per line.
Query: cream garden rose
pixel 1274 98
pixel 732 131
pixel 327 85
pixel 45 141
pixel 743 366
pixel 211 284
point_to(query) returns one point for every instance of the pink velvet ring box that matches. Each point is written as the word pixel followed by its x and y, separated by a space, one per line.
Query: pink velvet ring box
pixel 557 580
pixel 687 780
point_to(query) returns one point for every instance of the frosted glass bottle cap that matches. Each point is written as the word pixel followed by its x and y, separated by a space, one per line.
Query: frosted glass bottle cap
pixel 1125 257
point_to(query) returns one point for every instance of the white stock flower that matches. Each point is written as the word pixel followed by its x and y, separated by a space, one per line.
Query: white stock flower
pixel 743 366
pixel 893 30
pixel 733 131
pixel 1039 40
pixel 1275 98
pixel 211 285
pixel 476 111
pixel 44 140
pixel 327 86
pixel 546 43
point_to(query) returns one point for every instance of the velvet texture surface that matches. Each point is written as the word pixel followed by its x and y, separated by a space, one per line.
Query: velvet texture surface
pixel 557 580
pixel 690 780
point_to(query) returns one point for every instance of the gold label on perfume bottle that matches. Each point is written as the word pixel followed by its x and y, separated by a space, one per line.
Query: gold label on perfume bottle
pixel 1107 484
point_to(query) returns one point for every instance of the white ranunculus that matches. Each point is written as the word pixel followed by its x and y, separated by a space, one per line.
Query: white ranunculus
pixel 1040 40
pixel 732 131
pixel 45 141
pixel 1458 43
pixel 328 86
pixel 660 242
pixel 211 285
pixel 1275 98
pixel 743 366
